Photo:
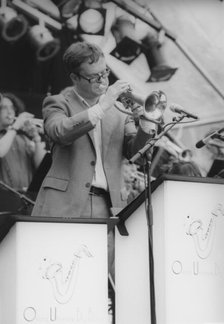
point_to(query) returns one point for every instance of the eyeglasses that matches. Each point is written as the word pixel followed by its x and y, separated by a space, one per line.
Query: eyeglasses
pixel 98 76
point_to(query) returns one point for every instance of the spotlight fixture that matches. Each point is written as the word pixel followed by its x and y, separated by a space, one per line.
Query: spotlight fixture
pixel 91 20
pixel 44 43
pixel 12 25
pixel 127 50
pixel 68 8
pixel 155 54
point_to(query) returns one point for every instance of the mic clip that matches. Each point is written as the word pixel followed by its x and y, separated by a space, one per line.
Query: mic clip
pixel 219 136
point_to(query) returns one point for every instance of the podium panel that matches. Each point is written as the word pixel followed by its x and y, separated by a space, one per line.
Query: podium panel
pixel 188 245
pixel 132 271
pixel 188 254
pixel 54 272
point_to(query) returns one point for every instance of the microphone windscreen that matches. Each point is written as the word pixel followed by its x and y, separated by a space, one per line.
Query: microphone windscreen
pixel 199 144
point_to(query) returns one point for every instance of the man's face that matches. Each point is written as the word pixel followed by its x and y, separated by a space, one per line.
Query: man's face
pixel 7 113
pixel 92 79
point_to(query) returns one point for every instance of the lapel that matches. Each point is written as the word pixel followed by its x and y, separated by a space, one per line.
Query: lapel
pixel 107 127
pixel 76 105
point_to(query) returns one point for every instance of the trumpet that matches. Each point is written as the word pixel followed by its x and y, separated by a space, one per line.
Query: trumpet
pixel 153 104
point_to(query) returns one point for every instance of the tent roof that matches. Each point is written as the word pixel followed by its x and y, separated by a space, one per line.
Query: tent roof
pixel 199 29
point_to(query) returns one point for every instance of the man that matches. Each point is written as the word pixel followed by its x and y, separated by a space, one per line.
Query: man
pixel 89 138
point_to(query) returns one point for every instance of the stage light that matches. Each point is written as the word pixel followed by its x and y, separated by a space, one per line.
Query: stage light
pixel 156 57
pixel 128 48
pixel 68 8
pixel 12 25
pixel 91 20
pixel 44 43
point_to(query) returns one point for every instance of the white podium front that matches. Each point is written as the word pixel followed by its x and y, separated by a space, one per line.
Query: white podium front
pixel 188 248
pixel 53 270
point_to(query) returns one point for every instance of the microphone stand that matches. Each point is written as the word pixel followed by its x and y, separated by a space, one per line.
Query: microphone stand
pixel 21 196
pixel 151 142
pixel 149 210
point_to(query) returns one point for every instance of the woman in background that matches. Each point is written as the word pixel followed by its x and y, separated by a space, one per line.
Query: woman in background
pixel 21 147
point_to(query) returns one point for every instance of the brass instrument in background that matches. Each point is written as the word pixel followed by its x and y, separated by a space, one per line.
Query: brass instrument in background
pixel 32 126
pixel 34 121
pixel 37 122
pixel 153 105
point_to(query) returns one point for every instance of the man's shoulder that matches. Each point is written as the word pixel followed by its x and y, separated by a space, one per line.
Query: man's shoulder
pixel 64 98
pixel 53 98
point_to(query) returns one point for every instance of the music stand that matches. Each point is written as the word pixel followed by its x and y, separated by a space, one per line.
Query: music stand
pixel 39 176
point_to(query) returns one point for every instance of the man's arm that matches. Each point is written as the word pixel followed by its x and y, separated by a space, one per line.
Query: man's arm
pixel 59 125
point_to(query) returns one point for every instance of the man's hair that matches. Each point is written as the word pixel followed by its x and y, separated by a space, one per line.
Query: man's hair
pixel 81 52
pixel 18 104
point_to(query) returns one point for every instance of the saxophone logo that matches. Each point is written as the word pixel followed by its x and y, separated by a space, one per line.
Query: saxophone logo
pixel 63 285
pixel 202 234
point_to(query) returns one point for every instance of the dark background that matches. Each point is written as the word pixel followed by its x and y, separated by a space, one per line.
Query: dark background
pixel 30 79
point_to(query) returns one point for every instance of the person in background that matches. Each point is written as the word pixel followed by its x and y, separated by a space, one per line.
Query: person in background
pixel 134 180
pixel 185 168
pixel 21 148
pixel 89 138
pixel 182 164
pixel 216 148
pixel 210 156
pixel 173 158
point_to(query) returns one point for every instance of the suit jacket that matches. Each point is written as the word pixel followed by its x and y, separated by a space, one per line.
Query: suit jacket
pixel 64 191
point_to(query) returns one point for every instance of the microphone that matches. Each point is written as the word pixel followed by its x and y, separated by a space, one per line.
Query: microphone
pixel 205 140
pixel 178 109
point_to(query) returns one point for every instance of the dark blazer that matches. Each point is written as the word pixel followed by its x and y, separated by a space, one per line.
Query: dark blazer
pixel 65 189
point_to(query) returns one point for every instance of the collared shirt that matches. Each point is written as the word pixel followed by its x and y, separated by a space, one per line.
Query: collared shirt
pixel 95 115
